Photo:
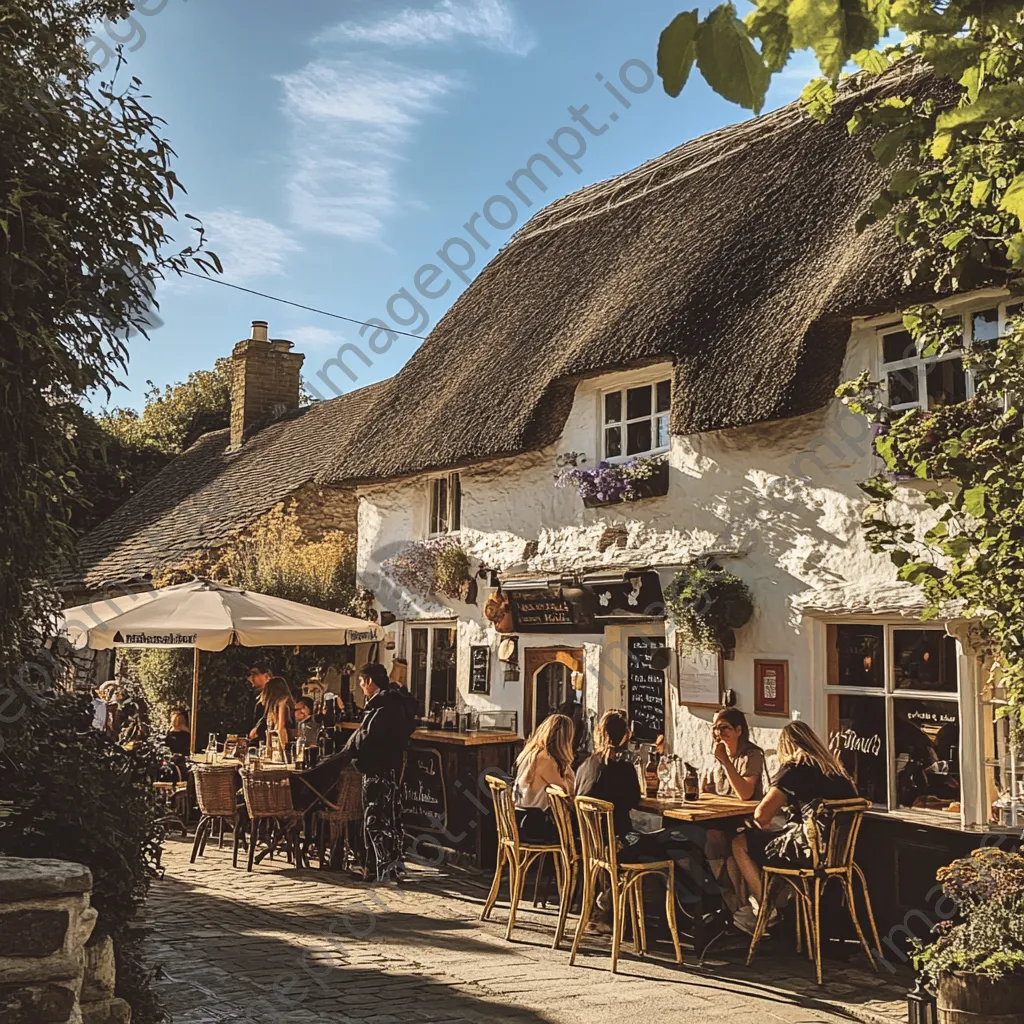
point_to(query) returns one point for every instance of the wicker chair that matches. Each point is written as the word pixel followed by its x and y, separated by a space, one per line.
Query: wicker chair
pixel 335 817
pixel 216 794
pixel 268 799
pixel 832 835
pixel 519 856
pixel 567 863
pixel 625 881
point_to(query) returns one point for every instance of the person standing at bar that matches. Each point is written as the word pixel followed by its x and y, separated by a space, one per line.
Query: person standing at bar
pixel 378 748
pixel 259 676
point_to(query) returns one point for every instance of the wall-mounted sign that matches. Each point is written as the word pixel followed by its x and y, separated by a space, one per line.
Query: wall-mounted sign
pixel 549 611
pixel 479 668
pixel 699 681
pixel 771 687
pixel 645 688
pixel 636 596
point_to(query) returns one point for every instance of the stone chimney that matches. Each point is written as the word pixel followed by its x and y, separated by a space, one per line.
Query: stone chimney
pixel 264 381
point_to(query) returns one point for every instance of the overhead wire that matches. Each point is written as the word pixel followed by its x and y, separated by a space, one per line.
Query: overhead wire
pixel 299 305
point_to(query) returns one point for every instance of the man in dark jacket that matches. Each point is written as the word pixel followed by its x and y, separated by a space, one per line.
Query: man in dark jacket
pixel 378 748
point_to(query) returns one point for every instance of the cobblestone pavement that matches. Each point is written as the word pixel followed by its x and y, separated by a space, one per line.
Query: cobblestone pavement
pixel 281 946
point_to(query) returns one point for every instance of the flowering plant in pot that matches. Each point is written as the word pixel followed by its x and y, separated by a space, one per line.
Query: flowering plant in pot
pixel 707 604
pixel 975 963
pixel 435 566
pixel 609 483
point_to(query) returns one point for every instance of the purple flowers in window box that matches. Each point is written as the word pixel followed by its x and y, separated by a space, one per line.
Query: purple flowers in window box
pixel 609 483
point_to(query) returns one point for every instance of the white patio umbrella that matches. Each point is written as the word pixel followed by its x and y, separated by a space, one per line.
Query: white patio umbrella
pixel 209 616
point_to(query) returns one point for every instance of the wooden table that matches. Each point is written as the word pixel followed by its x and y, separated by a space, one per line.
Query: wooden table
pixel 709 807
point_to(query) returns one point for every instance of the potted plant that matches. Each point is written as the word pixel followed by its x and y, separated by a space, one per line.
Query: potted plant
pixel 609 483
pixel 707 604
pixel 975 963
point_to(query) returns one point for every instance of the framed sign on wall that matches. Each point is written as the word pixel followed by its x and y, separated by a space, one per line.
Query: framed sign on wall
pixel 771 687
pixel 699 678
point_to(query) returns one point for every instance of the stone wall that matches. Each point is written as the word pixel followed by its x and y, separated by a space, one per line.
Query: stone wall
pixel 47 973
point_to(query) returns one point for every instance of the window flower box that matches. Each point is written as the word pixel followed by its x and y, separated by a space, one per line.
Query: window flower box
pixel 611 483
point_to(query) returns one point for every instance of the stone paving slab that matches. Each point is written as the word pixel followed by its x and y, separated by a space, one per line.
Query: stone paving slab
pixel 281 946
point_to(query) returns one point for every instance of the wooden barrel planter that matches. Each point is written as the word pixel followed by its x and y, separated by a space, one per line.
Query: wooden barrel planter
pixel 963 998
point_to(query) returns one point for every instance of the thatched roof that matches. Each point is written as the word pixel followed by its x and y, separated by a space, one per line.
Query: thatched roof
pixel 207 494
pixel 735 256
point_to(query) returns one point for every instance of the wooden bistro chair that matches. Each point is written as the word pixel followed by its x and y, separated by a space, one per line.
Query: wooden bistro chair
pixel 268 799
pixel 518 855
pixel 567 863
pixel 625 881
pixel 216 794
pixel 832 835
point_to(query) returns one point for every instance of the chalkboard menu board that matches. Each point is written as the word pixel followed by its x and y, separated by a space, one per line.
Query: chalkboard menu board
pixel 645 687
pixel 479 669
pixel 424 798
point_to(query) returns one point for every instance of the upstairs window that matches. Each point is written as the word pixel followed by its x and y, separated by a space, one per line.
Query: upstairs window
pixel 915 382
pixel 445 504
pixel 635 421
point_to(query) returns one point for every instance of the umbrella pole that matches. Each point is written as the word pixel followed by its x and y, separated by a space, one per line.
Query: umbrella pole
pixel 195 697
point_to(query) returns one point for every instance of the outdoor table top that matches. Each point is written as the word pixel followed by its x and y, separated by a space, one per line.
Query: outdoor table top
pixel 483 738
pixel 708 807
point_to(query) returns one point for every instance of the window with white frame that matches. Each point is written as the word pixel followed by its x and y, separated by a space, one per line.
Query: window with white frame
pixel 433 665
pixel 445 504
pixel 915 382
pixel 894 713
pixel 635 421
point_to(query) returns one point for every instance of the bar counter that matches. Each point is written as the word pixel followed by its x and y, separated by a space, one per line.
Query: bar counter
pixel 446 801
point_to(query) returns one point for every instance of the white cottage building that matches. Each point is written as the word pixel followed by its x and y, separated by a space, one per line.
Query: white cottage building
pixel 702 308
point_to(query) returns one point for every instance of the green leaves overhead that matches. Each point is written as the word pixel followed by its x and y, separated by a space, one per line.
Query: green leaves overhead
pixel 999 101
pixel 677 50
pixel 769 24
pixel 729 61
pixel 819 25
pixel 1013 199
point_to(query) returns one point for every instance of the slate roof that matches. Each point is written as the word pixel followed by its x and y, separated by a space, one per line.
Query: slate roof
pixel 208 493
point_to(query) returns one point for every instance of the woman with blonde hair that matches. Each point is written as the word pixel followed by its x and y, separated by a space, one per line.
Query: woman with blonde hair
pixel 545 760
pixel 808 772
pixel 277 702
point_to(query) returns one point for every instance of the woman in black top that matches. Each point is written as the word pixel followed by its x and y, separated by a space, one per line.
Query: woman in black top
pixel 609 774
pixel 808 771
pixel 179 737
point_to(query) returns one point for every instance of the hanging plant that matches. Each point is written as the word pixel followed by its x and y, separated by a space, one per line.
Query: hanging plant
pixel 609 483
pixel 707 604
pixel 436 566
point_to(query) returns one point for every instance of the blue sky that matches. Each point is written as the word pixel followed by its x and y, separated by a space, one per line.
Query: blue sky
pixel 332 148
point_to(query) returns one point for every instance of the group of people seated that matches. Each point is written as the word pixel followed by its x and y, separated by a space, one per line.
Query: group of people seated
pixel 715 864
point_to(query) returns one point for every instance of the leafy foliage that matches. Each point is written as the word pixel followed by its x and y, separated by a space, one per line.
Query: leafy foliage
pixel 86 193
pixel 79 796
pixel 707 604
pixel 987 936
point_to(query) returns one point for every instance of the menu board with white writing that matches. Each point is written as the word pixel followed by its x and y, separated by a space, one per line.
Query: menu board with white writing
pixel 645 689
pixel 424 799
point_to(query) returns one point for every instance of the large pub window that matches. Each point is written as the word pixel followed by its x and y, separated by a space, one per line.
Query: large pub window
pixel 894 713
pixel 433 665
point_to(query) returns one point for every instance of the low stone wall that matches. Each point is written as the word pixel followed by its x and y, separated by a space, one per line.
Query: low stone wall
pixel 48 975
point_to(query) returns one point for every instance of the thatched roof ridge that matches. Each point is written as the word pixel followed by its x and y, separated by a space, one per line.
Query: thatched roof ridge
pixel 735 256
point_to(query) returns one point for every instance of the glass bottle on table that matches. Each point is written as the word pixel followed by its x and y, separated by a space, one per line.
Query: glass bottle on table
pixel 691 783
pixel 651 773
pixel 211 749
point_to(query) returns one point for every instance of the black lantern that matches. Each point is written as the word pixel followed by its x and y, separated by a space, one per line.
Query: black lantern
pixel 921 1005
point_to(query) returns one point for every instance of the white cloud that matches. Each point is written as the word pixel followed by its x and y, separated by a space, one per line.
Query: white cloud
pixel 491 22
pixel 350 124
pixel 308 337
pixel 248 247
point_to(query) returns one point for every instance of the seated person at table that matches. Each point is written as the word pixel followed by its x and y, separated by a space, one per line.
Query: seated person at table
pixel 306 727
pixel 546 760
pixel 808 771
pixel 178 737
pixel 276 698
pixel 738 772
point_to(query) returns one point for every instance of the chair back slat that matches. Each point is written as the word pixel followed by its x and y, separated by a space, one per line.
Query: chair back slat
pixel 839 845
pixel 561 811
pixel 504 811
pixel 597 833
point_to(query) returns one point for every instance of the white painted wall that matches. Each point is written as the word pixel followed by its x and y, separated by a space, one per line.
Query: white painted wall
pixel 783 497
